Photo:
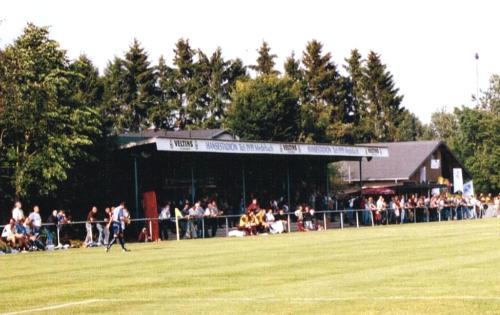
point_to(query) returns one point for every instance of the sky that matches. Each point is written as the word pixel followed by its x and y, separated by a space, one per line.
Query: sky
pixel 428 46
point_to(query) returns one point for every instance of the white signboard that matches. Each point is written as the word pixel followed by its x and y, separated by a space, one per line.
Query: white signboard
pixel 458 181
pixel 469 189
pixel 435 164
pixel 242 147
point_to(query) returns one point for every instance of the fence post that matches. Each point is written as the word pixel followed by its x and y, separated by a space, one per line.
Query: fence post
pixel 387 216
pixel 341 220
pixel 202 227
pixel 324 220
pixel 414 215
pixel 428 215
pixel 58 236
pixel 439 215
pixel 357 219
pixel 227 226
pixel 151 229
pixel 288 221
pixel 177 227
pixel 371 215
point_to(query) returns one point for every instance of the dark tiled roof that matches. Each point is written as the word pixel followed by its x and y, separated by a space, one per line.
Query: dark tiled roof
pixel 404 159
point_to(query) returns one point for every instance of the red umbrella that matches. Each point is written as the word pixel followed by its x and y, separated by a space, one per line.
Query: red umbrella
pixel 378 191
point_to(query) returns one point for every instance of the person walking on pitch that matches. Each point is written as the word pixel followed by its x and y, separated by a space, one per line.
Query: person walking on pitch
pixel 117 222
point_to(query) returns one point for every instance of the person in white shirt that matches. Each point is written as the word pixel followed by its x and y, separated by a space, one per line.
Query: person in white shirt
pixel 164 219
pixel 17 212
pixel 36 220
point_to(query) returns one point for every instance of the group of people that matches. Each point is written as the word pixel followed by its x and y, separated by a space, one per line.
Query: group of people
pixel 24 233
pixel 27 233
pixel 414 208
pixel 257 220
pixel 197 220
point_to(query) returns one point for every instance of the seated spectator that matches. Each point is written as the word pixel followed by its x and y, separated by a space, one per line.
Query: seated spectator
pixel 308 219
pixel 260 218
pixel 8 234
pixel 299 213
pixel 275 226
pixel 282 218
pixel 144 235
pixel 248 223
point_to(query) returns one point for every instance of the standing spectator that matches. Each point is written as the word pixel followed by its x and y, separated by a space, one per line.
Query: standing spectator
pixel 52 227
pixel 107 219
pixel 299 213
pixel 380 211
pixel 164 218
pixel 212 212
pixel 17 212
pixel 496 203
pixel 91 221
pixel 36 220
pixel 308 219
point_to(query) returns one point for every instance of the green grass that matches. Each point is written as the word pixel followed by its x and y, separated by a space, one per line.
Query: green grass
pixel 435 268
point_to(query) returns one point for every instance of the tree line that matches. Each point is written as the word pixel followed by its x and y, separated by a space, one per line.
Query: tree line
pixel 57 115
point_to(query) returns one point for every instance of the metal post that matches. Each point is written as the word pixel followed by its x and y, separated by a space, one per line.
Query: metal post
pixel 371 215
pixel 58 236
pixel 203 227
pixel 243 184
pixel 428 215
pixel 327 181
pixel 288 184
pixel 288 221
pixel 136 187
pixel 439 215
pixel 360 178
pixel 151 229
pixel 324 220
pixel 341 220
pixel 357 219
pixel 227 226
pixel 414 215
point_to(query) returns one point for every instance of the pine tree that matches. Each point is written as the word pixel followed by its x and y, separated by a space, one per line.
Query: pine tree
pixel 320 96
pixel 292 68
pixel 140 87
pixel 88 86
pixel 114 106
pixel 182 83
pixel 383 100
pixel 265 61
pixel 162 114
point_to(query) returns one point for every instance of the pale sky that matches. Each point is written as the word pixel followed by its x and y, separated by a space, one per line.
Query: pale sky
pixel 429 46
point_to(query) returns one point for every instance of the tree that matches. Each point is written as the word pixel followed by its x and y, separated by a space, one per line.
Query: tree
pixel 265 108
pixel 45 129
pixel 87 86
pixel 140 90
pixel 114 106
pixel 292 68
pixel 443 126
pixel 265 61
pixel 319 99
pixel 383 100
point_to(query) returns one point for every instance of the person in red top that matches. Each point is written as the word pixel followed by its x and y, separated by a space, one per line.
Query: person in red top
pixel 253 206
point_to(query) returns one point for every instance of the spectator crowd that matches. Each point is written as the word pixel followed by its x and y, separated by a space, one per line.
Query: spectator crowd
pixel 202 219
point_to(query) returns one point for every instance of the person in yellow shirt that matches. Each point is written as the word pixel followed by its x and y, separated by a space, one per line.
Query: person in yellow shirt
pixel 262 225
pixel 248 223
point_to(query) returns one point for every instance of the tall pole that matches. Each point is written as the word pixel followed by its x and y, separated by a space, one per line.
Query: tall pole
pixel 476 56
pixel 136 187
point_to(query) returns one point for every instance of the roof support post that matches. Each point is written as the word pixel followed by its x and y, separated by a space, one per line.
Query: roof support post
pixel 136 187
pixel 243 184
pixel 192 183
pixel 360 177
pixel 288 183
pixel 327 184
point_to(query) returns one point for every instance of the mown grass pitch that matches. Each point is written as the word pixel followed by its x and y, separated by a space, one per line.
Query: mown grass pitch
pixel 435 268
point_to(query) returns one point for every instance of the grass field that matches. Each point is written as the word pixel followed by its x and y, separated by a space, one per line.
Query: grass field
pixel 434 268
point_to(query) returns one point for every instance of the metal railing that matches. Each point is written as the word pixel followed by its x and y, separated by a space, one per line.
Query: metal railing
pixel 204 227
